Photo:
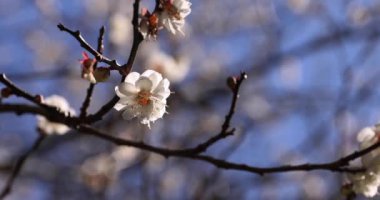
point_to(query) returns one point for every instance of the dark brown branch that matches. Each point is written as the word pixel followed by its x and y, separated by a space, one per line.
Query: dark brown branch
pixel 126 68
pixel 137 39
pixel 19 164
pixel 83 43
pixel 20 109
pixel 21 93
pixel 225 132
pixel 90 90
pixel 339 165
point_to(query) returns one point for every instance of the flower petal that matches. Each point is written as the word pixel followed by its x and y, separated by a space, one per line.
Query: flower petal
pixel 162 91
pixel 366 134
pixel 144 83
pixel 153 76
pixel 132 78
pixel 126 90
pixel 118 106
pixel 128 114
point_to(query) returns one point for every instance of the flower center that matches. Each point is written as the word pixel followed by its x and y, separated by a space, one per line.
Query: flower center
pixel 143 98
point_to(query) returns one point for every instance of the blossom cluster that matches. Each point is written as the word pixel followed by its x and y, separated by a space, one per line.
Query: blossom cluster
pixel 170 14
pixel 142 96
pixel 368 182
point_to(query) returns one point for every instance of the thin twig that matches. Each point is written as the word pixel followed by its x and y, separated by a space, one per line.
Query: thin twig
pixel 53 113
pixel 126 68
pixel 90 90
pixel 225 132
pixel 83 43
pixel 19 164
pixel 21 93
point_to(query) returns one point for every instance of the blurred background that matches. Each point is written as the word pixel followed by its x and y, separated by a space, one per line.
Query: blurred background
pixel 313 69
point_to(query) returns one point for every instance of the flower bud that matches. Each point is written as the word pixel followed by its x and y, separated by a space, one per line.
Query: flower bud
pixel 6 92
pixel 101 74
pixel 88 67
pixel 231 82
pixel 39 98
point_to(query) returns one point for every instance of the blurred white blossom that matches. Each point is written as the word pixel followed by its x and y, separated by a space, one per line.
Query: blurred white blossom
pixel 367 183
pixel 173 15
pixel 175 70
pixel 120 29
pixel 98 171
pixel 358 14
pixel 124 156
pixel 299 6
pixel 49 127
pixel 143 96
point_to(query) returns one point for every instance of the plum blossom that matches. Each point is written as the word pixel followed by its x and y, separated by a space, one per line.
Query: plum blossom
pixel 149 24
pixel 368 182
pixel 143 96
pixel 49 127
pixel 175 70
pixel 173 15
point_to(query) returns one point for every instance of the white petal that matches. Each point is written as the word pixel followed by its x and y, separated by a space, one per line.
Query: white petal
pixel 49 127
pixel 365 134
pixel 170 27
pixel 126 89
pixel 132 78
pixel 162 91
pixel 158 110
pixel 153 76
pixel 119 106
pixel 128 114
pixel 144 83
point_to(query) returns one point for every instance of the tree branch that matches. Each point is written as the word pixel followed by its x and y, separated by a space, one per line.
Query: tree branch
pixel 339 165
pixel 83 43
pixel 226 124
pixel 90 90
pixel 21 93
pixel 126 68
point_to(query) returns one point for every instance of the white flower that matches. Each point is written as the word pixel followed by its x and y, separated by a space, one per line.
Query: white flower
pixel 49 127
pixel 368 182
pixel 173 14
pixel 367 137
pixel 143 96
pixel 365 183
pixel 149 24
pixel 174 70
